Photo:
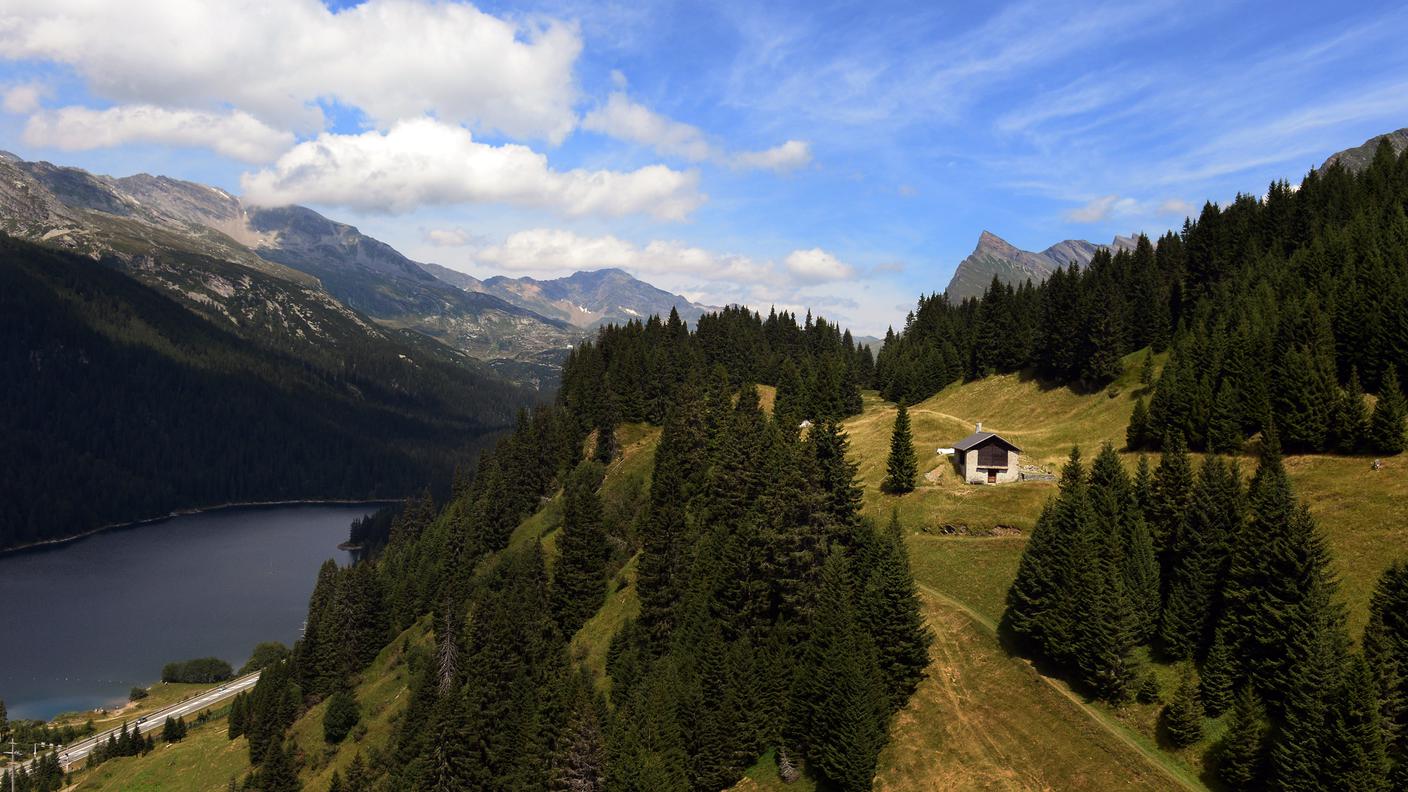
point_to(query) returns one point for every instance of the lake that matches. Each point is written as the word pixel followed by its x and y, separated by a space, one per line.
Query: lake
pixel 84 622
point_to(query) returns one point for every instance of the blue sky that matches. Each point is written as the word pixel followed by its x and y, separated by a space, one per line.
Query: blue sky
pixel 841 156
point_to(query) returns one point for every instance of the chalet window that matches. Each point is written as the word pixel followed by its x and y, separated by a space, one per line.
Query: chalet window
pixel 992 455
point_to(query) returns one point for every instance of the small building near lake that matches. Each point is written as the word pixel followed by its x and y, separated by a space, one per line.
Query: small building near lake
pixel 987 458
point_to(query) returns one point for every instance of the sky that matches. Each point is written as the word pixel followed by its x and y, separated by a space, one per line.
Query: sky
pixel 838 157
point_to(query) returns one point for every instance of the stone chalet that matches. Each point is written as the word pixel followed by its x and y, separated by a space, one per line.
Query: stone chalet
pixel 986 458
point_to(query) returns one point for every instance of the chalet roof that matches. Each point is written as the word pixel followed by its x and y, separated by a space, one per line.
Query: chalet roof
pixel 978 438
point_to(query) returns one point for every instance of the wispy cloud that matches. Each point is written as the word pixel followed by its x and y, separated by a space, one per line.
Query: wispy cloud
pixel 625 119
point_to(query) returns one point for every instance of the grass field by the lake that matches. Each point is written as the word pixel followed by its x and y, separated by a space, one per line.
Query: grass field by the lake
pixel 203 762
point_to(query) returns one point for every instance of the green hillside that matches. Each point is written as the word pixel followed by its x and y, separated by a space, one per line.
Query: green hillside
pixel 982 719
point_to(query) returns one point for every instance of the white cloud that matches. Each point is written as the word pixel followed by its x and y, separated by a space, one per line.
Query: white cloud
pixel 625 119
pixel 22 98
pixel 1177 206
pixel 789 156
pixel 817 266
pixel 235 134
pixel 392 59
pixel 448 237
pixel 424 162
pixel 1097 209
pixel 553 249
pixel 556 250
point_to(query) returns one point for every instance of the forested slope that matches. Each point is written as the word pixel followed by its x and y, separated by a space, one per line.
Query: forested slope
pixel 122 404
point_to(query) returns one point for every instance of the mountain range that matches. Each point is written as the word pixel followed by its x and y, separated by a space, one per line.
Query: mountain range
pixel 994 256
pixel 222 256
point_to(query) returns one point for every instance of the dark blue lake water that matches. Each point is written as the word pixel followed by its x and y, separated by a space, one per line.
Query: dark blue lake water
pixel 82 623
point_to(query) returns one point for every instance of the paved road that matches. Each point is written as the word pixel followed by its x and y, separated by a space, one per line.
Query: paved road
pixel 77 751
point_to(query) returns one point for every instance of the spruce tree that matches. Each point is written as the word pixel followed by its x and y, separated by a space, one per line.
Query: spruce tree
pixel 277 773
pixel 902 467
pixel 1218 677
pixel 1136 435
pixel 579 577
pixel 843 703
pixel 889 610
pixel 1386 423
pixel 606 446
pixel 340 716
pixel 1241 757
pixel 1146 369
pixel 1171 492
pixel 1183 717
pixel 1357 756
pixel 1386 653
pixel 1351 417
pixel 834 477
pixel 1225 423
pixel 1197 559
pixel 1040 609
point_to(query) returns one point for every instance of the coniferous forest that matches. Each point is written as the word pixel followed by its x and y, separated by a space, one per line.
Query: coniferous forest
pixel 773 617
pixel 1275 312
pixel 121 404
pixel 1235 581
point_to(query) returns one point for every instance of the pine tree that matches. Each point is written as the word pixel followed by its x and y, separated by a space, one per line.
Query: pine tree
pixel 1386 653
pixel 1197 559
pixel 1041 601
pixel 1225 423
pixel 1386 423
pixel 276 772
pixel 1351 417
pixel 340 716
pixel 1171 492
pixel 606 447
pixel 1146 369
pixel 1242 753
pixel 844 703
pixel 579 577
pixel 1136 436
pixel 902 467
pixel 835 476
pixel 1217 678
pixel 237 716
pixel 889 610
pixel 1311 677
pixel 1357 756
pixel 1183 717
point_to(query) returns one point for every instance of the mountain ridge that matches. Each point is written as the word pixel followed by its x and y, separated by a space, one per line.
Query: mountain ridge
pixel 995 256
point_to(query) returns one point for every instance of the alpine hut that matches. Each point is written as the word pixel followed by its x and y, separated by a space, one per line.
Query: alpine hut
pixel 986 458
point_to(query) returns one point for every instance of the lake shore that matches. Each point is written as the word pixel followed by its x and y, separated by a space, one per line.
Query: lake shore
pixel 62 540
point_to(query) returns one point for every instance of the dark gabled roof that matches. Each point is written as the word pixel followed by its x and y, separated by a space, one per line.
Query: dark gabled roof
pixel 978 438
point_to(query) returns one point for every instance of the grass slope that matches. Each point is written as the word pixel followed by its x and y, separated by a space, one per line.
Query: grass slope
pixel 203 762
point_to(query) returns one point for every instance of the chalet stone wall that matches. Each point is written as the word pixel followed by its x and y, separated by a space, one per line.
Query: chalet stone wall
pixel 975 474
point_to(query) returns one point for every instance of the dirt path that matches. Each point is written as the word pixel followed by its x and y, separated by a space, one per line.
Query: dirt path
pixel 1116 730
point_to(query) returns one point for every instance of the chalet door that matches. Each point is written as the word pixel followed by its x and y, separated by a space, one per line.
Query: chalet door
pixel 992 476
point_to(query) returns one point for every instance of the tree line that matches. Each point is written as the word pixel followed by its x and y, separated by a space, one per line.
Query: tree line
pixel 772 616
pixel 1234 582
pixel 123 404
pixel 1280 311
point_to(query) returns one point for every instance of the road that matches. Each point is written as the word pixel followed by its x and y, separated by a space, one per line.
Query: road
pixel 76 752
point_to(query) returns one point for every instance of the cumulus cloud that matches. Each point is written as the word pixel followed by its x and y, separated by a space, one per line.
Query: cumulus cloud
pixel 1176 206
pixel 560 250
pixel 789 156
pixel 625 119
pixel 424 162
pixel 817 266
pixel 448 237
pixel 234 134
pixel 553 249
pixel 22 98
pixel 1097 209
pixel 391 59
